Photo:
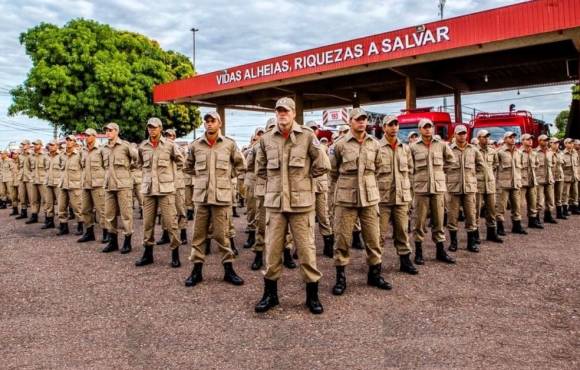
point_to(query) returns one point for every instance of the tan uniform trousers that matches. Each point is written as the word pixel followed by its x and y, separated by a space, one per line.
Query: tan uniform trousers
pixel 399 214
pixel 66 198
pixel 513 196
pixel 119 203
pixel 529 194
pixel 3 191
pixel 218 217
pixel 558 190
pixel 260 225
pixel 322 214
pixel 181 214
pixel 251 209
pixel 51 199
pixel 24 194
pixel 490 210
pixel 37 197
pixel 435 205
pixel 189 197
pixel 545 198
pixel 137 195
pixel 468 203
pixel 15 196
pixel 93 202
pixel 301 226
pixel 573 194
pixel 166 206
pixel 344 220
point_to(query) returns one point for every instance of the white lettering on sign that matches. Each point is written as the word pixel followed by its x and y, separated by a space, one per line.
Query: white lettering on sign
pixel 338 55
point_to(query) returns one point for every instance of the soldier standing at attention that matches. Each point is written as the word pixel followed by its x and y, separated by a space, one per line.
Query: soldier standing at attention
pixel 38 165
pixel 118 158
pixel 53 174
pixel 395 191
pixel 558 178
pixel 547 162
pixel 509 182
pixel 429 184
pixel 15 183
pixel 159 158
pixel 70 185
pixel 93 193
pixel 462 187
pixel 250 183
pixel 529 181
pixel 213 158
pixel 6 175
pixel 571 167
pixel 355 162
pixel 25 179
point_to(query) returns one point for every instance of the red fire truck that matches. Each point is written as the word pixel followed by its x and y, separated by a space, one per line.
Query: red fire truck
pixel 521 122
pixel 409 120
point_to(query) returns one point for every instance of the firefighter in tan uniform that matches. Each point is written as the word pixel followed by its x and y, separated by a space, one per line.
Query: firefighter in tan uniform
pixel 429 185
pixel 250 183
pixel 574 190
pixel 528 191
pixel 395 190
pixel 486 187
pixel 509 182
pixel 558 177
pixel 355 162
pixel 213 158
pixel 52 188
pixel 462 188
pixel 571 167
pixel 25 179
pixel 188 181
pixel 93 193
pixel 38 165
pixel 288 158
pixel 137 176
pixel 70 185
pixel 547 161
pixel 6 175
pixel 159 158
pixel 118 157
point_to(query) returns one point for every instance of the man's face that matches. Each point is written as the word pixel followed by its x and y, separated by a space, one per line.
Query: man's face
pixel 15 155
pixel 25 147
pixel 555 146
pixel 413 139
pixel 154 132
pixel 52 148
pixel 427 131
pixel 569 146
pixel 543 143
pixel 212 125
pixel 461 138
pixel 577 146
pixel 37 148
pixel 527 143
pixel 284 116
pixel 510 140
pixel 91 140
pixel 70 144
pixel 392 129
pixel 170 137
pixel 483 140
pixel 359 125
pixel 112 134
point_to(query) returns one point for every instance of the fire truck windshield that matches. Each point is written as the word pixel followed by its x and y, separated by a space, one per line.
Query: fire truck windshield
pixel 496 132
pixel 405 130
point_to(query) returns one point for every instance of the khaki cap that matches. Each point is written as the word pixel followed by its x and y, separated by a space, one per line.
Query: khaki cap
pixel 412 133
pixel 91 132
pixel 459 129
pixel 527 136
pixel 71 137
pixel 286 103
pixel 543 137
pixel 474 141
pixel 213 115
pixel 554 140
pixel 483 133
pixel 424 122
pixel 323 140
pixel 343 128
pixel 390 119
pixel 356 113
pixel 259 129
pixel 112 126
pixel 37 142
pixel 154 122
pixel 25 142
pixel 312 124
pixel 171 131
pixel 270 123
pixel 53 142
pixel 568 140
pixel 576 142
pixel 509 134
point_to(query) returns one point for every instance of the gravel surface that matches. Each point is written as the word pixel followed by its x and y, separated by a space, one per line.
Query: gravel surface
pixel 65 305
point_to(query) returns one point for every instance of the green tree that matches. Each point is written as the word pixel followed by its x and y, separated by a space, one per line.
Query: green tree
pixel 561 121
pixel 86 74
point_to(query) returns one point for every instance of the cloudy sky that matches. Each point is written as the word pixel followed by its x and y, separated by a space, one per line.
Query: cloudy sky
pixel 234 32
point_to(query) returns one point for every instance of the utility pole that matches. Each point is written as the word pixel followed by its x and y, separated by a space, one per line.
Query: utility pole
pixel 441 8
pixel 194 30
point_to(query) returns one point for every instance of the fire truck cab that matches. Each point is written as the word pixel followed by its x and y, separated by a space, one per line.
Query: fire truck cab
pixel 521 122
pixel 409 121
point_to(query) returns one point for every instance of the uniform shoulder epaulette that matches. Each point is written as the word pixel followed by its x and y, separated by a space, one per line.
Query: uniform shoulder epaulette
pixel 308 129
pixel 230 138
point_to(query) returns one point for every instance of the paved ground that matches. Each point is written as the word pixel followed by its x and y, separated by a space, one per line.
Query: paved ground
pixel 65 305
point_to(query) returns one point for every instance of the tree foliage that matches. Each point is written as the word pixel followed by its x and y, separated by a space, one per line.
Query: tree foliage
pixel 561 121
pixel 86 74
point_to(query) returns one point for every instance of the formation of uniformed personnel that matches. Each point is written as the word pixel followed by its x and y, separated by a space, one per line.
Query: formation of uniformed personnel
pixel 571 168
pixel 558 178
pixel 24 179
pixel 546 164
pixel 52 189
pixel 529 182
pixel 430 156
pixel 15 183
pixel 6 168
pixel 38 166
pixel 213 158
pixel 70 186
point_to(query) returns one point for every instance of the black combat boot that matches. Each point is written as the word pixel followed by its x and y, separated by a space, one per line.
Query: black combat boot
pixel 190 214
pixel 258 263
pixel 534 222
pixel 548 219
pixel 14 211
pixel 147 257
pixel 48 223
pixel 441 255
pixel 207 246
pixel 196 275
pixel 105 236
pixel 471 244
pixel 288 260
pixel 312 301
pixel 183 236
pixel 88 236
pixel 560 213
pixel 492 235
pixel 477 237
pixel 375 279
pixel 2 204
pixel 500 228
pixel 23 214
pixel 517 228
pixel 80 227
pixel 233 247
pixel 230 275
pixel 235 212
pixel 112 244
pixel 164 238
pixel 270 297
pixel 419 254
pixel 71 213
pixel 575 210
pixel 565 211
pixel 340 285
pixel 175 262
pixel 62 229
pixel 140 213
pixel 406 265
pixel 453 239
pixel 251 239
pixel 328 250
pixel 33 219
pixel 357 242
pixel 127 245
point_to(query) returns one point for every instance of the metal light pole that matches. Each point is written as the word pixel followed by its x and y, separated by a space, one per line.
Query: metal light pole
pixel 194 30
pixel 441 8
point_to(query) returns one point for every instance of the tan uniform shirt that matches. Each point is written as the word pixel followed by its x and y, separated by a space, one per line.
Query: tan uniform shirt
pixel 25 172
pixel 547 162
pixel 429 161
pixel 212 165
pixel 250 155
pixel 38 166
pixel 394 173
pixel 486 176
pixel 354 168
pixel 93 163
pixel 54 170
pixel 321 182
pixel 558 169
pixel 159 166
pixel 529 164
pixel 461 175
pixel 7 170
pixel 509 172
pixel 16 172
pixel 71 177
pixel 178 168
pixel 288 165
pixel 570 165
pixel 118 158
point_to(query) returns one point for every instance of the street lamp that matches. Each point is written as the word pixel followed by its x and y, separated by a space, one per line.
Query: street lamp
pixel 194 30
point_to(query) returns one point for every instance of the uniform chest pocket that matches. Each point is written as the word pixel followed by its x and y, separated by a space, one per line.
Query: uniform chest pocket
pixel 273 159
pixel 297 159
pixel 223 161
pixel 371 156
pixel 420 160
pixel 438 159
pixel 147 159
pixel 470 161
pixel 163 162
pixel 95 163
pixel 490 158
pixel 120 162
pixel 201 162
pixel 349 161
pixel 506 162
